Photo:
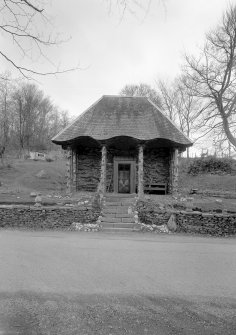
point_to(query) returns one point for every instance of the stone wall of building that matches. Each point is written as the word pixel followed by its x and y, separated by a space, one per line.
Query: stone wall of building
pixel 31 217
pixel 88 169
pixel 156 165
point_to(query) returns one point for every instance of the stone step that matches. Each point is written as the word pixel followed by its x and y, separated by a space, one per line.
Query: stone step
pixel 119 230
pixel 116 210
pixel 117 215
pixel 114 219
pixel 120 195
pixel 120 203
pixel 122 215
pixel 117 218
pixel 119 199
pixel 117 225
pixel 111 219
pixel 130 219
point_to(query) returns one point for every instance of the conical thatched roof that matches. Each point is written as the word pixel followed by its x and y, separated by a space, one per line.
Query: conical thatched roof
pixel 113 116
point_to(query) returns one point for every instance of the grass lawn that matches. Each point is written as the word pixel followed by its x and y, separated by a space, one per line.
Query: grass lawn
pixel 207 182
pixel 19 178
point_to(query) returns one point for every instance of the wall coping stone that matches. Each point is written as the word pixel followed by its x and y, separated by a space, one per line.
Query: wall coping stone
pixel 207 214
pixel 191 213
pixel 14 206
pixel 196 213
pixel 48 208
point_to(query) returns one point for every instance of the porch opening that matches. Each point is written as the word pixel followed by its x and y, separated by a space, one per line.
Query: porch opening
pixel 124 175
pixel 124 178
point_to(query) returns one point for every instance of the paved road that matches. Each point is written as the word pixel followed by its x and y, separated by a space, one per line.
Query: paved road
pixel 97 283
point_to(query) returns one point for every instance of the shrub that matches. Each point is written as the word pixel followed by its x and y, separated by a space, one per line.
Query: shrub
pixel 210 164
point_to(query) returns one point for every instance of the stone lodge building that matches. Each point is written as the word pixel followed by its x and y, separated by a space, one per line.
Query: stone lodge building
pixel 123 145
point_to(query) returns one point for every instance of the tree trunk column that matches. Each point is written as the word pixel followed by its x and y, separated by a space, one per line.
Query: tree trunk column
pixel 102 184
pixel 74 167
pixel 71 166
pixel 170 188
pixel 69 180
pixel 175 171
pixel 140 172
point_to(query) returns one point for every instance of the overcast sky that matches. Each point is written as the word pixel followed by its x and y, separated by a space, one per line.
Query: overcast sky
pixel 114 51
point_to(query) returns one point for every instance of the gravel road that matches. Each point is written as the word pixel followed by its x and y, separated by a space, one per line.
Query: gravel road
pixel 97 283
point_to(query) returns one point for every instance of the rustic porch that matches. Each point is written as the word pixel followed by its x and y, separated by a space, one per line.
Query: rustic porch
pixel 122 165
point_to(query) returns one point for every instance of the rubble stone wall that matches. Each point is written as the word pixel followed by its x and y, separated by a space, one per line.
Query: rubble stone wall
pixel 88 169
pixel 206 223
pixel 156 165
pixel 223 224
pixel 45 217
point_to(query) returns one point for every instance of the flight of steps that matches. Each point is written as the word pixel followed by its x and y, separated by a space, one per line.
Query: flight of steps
pixel 115 216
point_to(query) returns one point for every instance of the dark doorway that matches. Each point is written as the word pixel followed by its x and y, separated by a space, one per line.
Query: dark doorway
pixel 124 178
pixel 124 175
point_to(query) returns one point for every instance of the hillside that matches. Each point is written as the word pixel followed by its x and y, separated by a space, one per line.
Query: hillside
pixel 19 178
pixel 221 182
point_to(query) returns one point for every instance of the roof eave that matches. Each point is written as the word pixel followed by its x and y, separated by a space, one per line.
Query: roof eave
pixel 73 140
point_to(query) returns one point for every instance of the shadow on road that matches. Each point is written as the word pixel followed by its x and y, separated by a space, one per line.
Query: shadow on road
pixel 29 313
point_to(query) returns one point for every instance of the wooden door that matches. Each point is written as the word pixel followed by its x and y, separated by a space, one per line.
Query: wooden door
pixel 123 178
pixel 124 175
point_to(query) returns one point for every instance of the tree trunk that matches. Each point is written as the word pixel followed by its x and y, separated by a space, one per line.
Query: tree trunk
pixel 74 170
pixel 187 152
pixel 69 171
pixel 140 172
pixel 228 133
pixel 175 176
pixel 102 184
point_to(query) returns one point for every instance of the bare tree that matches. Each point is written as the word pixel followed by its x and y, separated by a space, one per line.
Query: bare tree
pixel 25 22
pixel 31 110
pixel 28 118
pixel 143 90
pixel 221 144
pixel 181 106
pixel 168 99
pixel 134 7
pixel 188 108
pixel 19 124
pixel 6 88
pixel 214 76
pixel 2 150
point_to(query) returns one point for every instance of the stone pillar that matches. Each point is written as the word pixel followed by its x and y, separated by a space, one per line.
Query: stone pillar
pixel 69 180
pixel 171 172
pixel 140 172
pixel 175 171
pixel 102 183
pixel 74 168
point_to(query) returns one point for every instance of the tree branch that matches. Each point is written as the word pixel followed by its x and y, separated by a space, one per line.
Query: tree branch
pixel 32 6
